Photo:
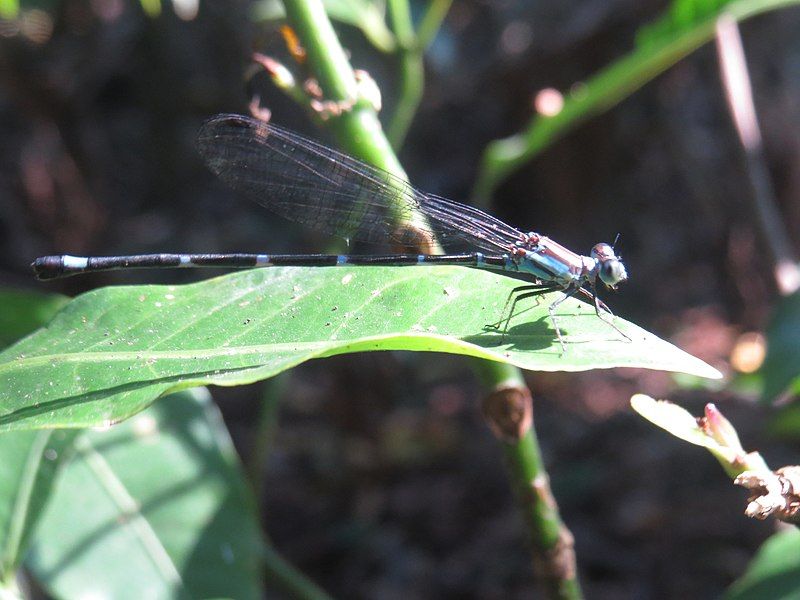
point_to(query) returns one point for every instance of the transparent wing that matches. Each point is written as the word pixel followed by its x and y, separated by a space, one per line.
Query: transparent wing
pixel 319 187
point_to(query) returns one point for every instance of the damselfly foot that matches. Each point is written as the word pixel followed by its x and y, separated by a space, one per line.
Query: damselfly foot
pixel 534 291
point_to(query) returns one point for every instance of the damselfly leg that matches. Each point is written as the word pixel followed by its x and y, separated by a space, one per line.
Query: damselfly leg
pixel 568 293
pixel 519 293
pixel 601 308
pixel 525 292
pixel 317 186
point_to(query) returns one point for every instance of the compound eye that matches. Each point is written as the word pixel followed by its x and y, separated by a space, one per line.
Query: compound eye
pixel 602 251
pixel 612 272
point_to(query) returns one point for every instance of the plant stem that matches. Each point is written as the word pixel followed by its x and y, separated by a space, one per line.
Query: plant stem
pixel 412 73
pixel 325 55
pixel 356 125
pixel 410 50
pixel 601 92
pixel 280 573
pixel 412 76
pixel 509 411
pixel 358 130
pixel 265 430
pixel 431 21
pixel 402 25
pixel 739 94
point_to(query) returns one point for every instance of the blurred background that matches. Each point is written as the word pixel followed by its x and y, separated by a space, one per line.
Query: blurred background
pixel 383 480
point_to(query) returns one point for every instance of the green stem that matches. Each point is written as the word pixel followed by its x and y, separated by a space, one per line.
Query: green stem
pixel 431 22
pixel 554 559
pixel 412 78
pixel 326 56
pixel 359 132
pixel 357 129
pixel 600 93
pixel 412 73
pixel 280 573
pixel 402 25
pixel 509 411
pixel 265 430
pixel 410 50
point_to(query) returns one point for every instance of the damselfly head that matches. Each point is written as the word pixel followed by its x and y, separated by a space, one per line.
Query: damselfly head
pixel 609 267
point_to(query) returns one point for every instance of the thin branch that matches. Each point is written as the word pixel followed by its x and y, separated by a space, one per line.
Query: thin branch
pixel 739 93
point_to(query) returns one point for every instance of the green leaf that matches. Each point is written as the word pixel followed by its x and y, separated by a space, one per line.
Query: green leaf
pixel 784 423
pixel 9 9
pixel 672 418
pixel 781 368
pixel 774 573
pixel 716 434
pixel 22 312
pixel 112 351
pixel 686 26
pixel 369 17
pixel 153 508
pixel 30 461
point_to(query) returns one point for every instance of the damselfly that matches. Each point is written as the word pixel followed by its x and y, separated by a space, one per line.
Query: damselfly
pixel 312 184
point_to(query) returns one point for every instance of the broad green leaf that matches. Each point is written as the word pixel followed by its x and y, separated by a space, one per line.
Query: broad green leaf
pixel 22 312
pixel 29 460
pixel 774 573
pixel 781 368
pixel 687 25
pixel 28 468
pixel 365 15
pixel 111 352
pixel 153 508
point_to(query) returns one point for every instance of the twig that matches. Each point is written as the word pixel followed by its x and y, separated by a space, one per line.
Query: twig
pixel 739 93
pixel 265 431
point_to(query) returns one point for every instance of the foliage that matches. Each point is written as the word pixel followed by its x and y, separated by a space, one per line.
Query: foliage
pixel 367 16
pixel 158 505
pixel 31 459
pixel 781 368
pixel 774 573
pixel 24 311
pixel 91 504
pixel 687 25
pixel 712 432
pixel 111 352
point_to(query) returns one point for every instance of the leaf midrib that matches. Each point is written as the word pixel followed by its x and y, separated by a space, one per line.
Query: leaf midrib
pixel 273 347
